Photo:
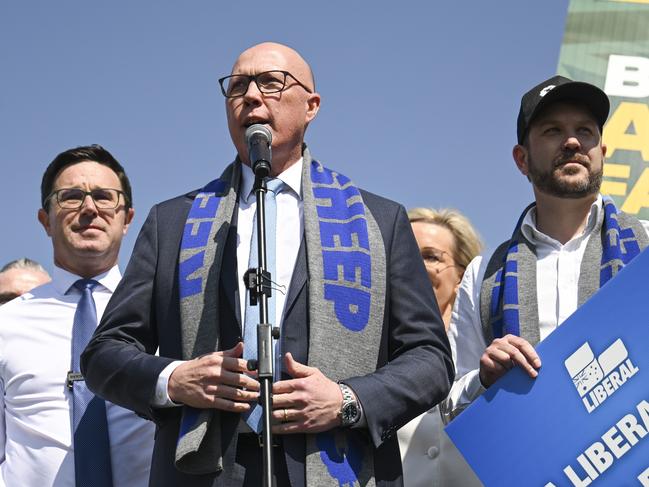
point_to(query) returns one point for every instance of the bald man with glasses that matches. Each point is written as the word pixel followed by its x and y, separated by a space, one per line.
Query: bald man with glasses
pixel 362 348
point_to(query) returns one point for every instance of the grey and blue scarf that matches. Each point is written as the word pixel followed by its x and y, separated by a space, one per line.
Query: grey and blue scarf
pixel 346 269
pixel 508 298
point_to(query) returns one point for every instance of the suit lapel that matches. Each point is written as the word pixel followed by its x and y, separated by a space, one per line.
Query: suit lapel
pixel 295 340
pixel 298 280
pixel 229 274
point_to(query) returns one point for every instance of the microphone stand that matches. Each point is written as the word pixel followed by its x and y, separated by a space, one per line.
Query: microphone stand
pixel 258 281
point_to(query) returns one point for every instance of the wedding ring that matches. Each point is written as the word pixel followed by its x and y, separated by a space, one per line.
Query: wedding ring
pixel 285 416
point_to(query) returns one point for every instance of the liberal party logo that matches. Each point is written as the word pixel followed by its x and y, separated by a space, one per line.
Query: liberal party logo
pixel 597 378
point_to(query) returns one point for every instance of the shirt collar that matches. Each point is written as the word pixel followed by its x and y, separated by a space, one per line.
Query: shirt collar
pixel 533 234
pixel 292 177
pixel 63 280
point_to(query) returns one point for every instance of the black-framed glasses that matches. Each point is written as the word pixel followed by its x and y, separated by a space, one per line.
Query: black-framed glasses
pixel 73 198
pixel 274 81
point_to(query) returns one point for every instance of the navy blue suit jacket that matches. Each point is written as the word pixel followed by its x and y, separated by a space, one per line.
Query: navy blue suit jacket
pixel 413 373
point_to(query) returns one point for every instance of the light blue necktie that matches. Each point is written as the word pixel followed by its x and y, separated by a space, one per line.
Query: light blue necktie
pixel 92 466
pixel 275 186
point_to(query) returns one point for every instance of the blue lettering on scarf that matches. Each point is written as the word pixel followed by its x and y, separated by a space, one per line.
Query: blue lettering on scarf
pixel 338 208
pixel 510 294
pixel 196 236
pixel 351 264
pixel 344 464
pixel 190 286
pixel 629 246
pixel 334 234
pixel 211 205
pixel 321 175
pixel 345 242
pixel 352 306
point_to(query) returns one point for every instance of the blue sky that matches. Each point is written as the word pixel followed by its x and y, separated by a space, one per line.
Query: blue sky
pixel 419 99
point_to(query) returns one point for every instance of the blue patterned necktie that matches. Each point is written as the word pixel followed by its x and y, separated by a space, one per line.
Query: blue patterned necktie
pixel 92 466
pixel 275 186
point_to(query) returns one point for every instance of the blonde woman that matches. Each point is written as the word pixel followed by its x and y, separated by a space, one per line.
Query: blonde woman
pixel 447 242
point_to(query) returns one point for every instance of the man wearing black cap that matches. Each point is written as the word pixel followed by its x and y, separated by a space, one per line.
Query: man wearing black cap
pixel 566 245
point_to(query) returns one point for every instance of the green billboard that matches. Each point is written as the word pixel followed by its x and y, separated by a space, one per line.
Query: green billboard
pixel 606 43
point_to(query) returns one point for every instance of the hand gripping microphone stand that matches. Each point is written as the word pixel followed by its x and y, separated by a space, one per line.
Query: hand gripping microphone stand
pixel 258 282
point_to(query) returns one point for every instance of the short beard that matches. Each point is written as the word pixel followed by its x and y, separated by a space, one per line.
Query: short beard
pixel 550 183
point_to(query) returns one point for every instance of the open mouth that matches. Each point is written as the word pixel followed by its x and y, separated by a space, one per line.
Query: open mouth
pixel 254 121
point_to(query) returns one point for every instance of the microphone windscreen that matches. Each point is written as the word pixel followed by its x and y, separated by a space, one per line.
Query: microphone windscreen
pixel 258 130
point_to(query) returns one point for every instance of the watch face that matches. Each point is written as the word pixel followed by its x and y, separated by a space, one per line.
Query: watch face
pixel 350 413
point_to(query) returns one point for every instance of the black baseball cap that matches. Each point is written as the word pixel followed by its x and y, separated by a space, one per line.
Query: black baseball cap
pixel 559 88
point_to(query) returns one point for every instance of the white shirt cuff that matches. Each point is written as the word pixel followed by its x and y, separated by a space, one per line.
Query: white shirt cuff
pixel 474 387
pixel 161 398
pixel 463 392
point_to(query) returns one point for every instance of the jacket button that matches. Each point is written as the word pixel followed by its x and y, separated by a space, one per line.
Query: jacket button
pixel 432 452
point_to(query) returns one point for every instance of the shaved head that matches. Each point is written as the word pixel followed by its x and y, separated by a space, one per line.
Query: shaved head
pixel 286 113
pixel 299 67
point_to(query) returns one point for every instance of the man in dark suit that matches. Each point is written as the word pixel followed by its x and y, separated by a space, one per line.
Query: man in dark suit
pixel 362 346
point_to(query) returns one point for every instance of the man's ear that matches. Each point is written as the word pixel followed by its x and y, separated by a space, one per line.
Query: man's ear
pixel 313 106
pixel 521 158
pixel 44 218
pixel 130 213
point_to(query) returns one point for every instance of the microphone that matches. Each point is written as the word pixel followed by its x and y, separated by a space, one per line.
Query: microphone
pixel 258 139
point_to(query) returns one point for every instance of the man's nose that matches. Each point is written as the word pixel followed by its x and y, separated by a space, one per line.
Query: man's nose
pixel 572 142
pixel 252 94
pixel 88 205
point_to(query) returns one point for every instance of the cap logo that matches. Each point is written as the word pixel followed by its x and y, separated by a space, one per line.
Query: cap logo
pixel 545 90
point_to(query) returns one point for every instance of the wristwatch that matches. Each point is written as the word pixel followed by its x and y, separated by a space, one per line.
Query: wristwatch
pixel 350 411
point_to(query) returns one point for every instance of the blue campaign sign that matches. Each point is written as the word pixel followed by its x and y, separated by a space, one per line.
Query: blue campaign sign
pixel 585 419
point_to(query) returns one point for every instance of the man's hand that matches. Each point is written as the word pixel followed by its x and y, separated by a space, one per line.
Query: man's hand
pixel 308 403
pixel 216 380
pixel 503 354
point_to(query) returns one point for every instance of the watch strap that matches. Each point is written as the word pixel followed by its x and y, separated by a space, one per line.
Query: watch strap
pixel 349 402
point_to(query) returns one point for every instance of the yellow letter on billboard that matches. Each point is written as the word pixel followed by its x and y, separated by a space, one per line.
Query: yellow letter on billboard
pixel 616 133
pixel 639 196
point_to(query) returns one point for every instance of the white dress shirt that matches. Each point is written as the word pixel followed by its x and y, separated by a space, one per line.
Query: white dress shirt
pixel 289 233
pixel 287 238
pixel 36 406
pixel 557 282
